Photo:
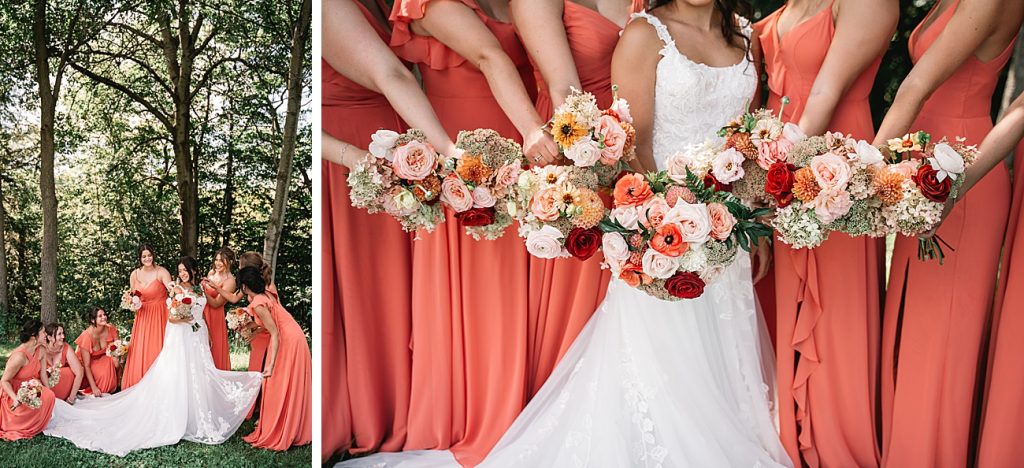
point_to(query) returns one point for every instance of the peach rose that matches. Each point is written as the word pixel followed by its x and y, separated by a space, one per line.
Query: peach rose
pixel 830 205
pixel 482 198
pixel 456 194
pixel 627 216
pixel 399 202
pixel 657 265
pixel 615 249
pixel 831 171
pixel 508 175
pixel 694 223
pixel 652 212
pixel 907 169
pixel 414 161
pixel 770 152
pixel 676 166
pixel 614 139
pixel 546 203
pixel 722 221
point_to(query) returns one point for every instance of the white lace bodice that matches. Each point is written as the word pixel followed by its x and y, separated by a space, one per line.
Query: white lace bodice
pixel 692 100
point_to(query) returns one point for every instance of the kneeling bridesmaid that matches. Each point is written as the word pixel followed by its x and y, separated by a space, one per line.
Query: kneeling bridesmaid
pixel 19 420
pixel 61 368
pixel 100 369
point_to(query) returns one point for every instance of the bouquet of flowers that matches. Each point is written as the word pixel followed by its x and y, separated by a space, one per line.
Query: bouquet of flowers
pixel 53 374
pixel 131 300
pixel 763 140
pixel 29 393
pixel 477 181
pixel 559 211
pixel 118 349
pixel 180 304
pixel 589 137
pixel 920 175
pixel 399 177
pixel 239 321
pixel 670 239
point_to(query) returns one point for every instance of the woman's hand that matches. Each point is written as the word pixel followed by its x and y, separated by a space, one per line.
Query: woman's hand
pixel 71 399
pixel 763 254
pixel 268 373
pixel 539 148
pixel 15 405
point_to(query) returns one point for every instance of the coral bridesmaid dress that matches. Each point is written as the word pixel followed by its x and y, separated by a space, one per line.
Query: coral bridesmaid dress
pixel 471 297
pixel 214 318
pixel 935 315
pixel 286 407
pixel 367 278
pixel 62 390
pixel 565 292
pixel 147 333
pixel 827 299
pixel 25 422
pixel 104 371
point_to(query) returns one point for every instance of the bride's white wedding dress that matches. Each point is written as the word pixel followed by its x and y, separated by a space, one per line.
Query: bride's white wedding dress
pixel 182 396
pixel 650 383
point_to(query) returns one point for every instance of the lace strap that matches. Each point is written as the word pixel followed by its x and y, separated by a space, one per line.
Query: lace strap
pixel 659 27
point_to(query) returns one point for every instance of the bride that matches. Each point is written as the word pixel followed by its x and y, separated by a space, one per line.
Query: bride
pixel 652 383
pixel 182 396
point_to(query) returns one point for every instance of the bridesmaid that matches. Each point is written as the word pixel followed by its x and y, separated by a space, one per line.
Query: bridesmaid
pixel 286 408
pixel 360 76
pixel 148 330
pixel 58 355
pixel 570 44
pixel 823 56
pixel 935 315
pixel 100 369
pixel 213 314
pixel 471 297
pixel 18 421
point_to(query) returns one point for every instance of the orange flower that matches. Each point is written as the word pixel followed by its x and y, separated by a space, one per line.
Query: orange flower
pixel 472 169
pixel 427 189
pixel 741 142
pixel 592 210
pixel 630 136
pixel 668 240
pixel 805 187
pixel 566 131
pixel 631 190
pixel 634 276
pixel 889 186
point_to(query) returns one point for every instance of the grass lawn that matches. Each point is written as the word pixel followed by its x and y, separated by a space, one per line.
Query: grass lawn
pixel 44 451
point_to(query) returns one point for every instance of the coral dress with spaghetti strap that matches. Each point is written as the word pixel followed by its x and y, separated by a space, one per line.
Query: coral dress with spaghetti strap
pixel 25 422
pixel 218 328
pixel 147 333
pixel 470 297
pixel 367 278
pixel 104 371
pixel 286 404
pixel 936 315
pixel 62 390
pixel 828 298
pixel 565 292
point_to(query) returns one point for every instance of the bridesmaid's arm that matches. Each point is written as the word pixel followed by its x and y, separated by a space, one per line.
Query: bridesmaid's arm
pixel 76 368
pixel 757 57
pixel 634 66
pixel 539 23
pixel 86 362
pixel 220 300
pixel 275 339
pixel 340 152
pixel 862 33
pixel 458 27
pixel 972 22
pixel 133 281
pixel 353 48
pixel 14 364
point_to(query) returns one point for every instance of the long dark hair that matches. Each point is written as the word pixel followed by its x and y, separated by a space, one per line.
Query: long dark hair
pixel 192 267
pixel 138 254
pixel 731 30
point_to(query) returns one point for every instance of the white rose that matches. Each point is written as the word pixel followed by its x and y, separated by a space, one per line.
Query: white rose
pixel 482 198
pixel 545 242
pixel 693 220
pixel 584 153
pixel 868 155
pixel 621 107
pixel 793 133
pixel 616 250
pixel 676 165
pixel 727 166
pixel 383 144
pixel 627 216
pixel 947 161
pixel 659 266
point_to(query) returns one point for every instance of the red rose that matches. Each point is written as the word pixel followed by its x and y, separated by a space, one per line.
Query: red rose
pixel 476 216
pixel 112 347
pixel 187 301
pixel 137 293
pixel 711 181
pixel 927 179
pixel 685 285
pixel 582 243
pixel 780 183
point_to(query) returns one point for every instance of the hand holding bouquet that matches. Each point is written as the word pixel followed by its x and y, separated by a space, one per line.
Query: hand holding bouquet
pixel 131 300
pixel 240 322
pixel 180 303
pixel 478 181
pixel 30 394
pixel 118 350
pixel 589 137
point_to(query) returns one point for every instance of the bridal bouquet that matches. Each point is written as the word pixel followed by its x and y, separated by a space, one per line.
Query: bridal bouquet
pixel 559 211
pixel 478 181
pixel 589 137
pixel 399 177
pixel 118 349
pixel 239 321
pixel 29 393
pixel 131 300
pixel 670 239
pixel 180 303
pixel 920 175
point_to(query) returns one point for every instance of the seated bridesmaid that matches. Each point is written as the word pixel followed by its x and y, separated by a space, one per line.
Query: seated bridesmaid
pixel 67 370
pixel 100 369
pixel 286 409
pixel 17 420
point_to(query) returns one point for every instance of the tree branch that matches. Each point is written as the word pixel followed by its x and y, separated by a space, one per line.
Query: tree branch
pixel 160 115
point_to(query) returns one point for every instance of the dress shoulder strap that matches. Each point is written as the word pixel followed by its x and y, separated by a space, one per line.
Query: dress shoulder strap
pixel 659 27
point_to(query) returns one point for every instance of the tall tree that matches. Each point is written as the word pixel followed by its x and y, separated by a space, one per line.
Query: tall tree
pixel 296 78
pixel 4 302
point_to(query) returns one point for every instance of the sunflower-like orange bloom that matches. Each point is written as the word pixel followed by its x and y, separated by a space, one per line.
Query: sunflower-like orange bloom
pixel 740 141
pixel 565 130
pixel 593 210
pixel 889 187
pixel 473 170
pixel 805 188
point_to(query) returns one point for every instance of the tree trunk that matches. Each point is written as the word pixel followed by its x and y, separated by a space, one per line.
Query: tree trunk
pixel 300 35
pixel 48 195
pixel 4 301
